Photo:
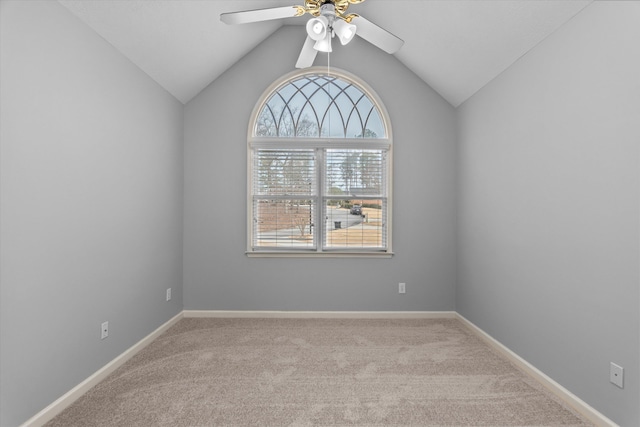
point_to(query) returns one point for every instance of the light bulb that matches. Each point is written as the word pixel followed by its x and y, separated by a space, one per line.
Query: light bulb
pixel 317 27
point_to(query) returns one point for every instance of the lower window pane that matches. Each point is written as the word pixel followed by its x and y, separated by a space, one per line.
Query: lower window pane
pixel 355 224
pixel 283 224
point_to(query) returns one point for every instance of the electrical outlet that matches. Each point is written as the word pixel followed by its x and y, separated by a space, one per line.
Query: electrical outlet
pixel 168 294
pixel 616 375
pixel 402 288
pixel 104 330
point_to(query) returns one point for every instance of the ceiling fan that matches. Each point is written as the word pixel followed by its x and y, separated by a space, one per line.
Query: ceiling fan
pixel 329 20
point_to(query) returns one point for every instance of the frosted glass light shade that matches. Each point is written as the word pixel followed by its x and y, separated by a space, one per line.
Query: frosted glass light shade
pixel 324 45
pixel 344 31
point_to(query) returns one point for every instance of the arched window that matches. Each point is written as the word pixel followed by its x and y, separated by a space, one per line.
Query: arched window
pixel 319 150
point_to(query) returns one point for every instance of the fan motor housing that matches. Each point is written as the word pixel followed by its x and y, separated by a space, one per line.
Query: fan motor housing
pixel 314 7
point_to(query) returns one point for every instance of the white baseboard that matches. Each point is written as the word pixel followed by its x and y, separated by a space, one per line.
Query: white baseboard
pixel 565 395
pixel 75 393
pixel 321 314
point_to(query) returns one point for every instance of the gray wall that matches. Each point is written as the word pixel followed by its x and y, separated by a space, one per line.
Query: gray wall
pixel 549 186
pixel 91 212
pixel 218 274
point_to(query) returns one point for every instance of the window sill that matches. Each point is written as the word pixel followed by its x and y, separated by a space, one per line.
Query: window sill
pixel 283 254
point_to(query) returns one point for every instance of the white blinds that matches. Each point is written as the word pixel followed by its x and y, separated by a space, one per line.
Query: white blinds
pixel 284 172
pixel 291 210
pixel 356 231
pixel 284 188
pixel 355 173
pixel 355 199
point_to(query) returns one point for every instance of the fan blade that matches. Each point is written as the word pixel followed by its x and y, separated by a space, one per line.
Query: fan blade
pixel 256 15
pixel 376 35
pixel 307 55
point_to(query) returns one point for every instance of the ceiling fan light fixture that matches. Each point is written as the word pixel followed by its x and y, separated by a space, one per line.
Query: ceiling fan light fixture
pixel 324 45
pixel 344 31
pixel 317 28
pixel 329 19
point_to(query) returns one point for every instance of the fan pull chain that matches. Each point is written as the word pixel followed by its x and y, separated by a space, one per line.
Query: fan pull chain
pixel 329 81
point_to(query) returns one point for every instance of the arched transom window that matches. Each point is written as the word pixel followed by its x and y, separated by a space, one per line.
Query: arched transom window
pixel 320 106
pixel 319 168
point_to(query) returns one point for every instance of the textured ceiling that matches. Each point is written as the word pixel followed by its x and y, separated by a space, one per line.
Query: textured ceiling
pixel 454 46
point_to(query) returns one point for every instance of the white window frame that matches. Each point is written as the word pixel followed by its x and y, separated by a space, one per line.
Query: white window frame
pixel 320 145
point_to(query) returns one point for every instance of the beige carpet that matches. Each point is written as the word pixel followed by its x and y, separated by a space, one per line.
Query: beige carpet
pixel 292 372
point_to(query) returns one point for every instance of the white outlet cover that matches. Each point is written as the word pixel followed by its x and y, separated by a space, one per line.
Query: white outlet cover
pixel 104 330
pixel 616 375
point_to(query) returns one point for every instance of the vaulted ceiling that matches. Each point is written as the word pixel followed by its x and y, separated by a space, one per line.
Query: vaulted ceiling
pixel 456 47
